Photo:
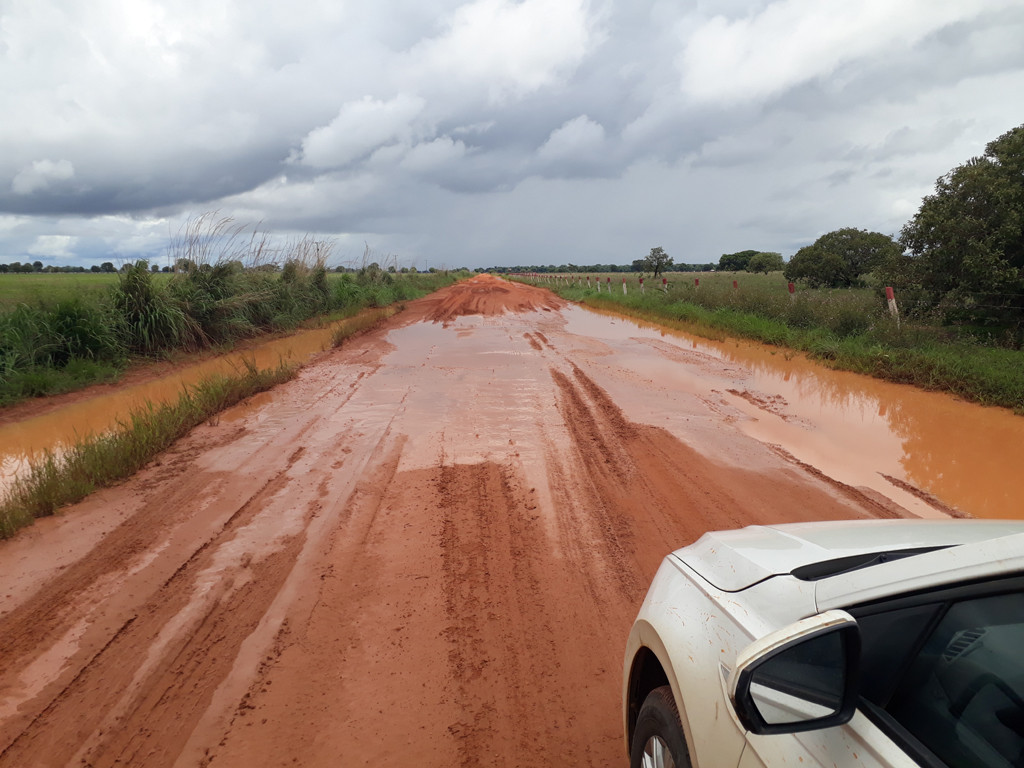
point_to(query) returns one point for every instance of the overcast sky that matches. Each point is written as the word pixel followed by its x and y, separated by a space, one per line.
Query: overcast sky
pixel 491 132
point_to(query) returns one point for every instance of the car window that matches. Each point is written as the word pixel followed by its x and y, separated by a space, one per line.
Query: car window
pixel 963 693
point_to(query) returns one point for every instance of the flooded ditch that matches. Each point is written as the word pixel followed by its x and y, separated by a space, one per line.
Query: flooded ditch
pixel 22 441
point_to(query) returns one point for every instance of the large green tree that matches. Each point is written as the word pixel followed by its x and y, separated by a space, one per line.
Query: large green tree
pixel 658 261
pixel 766 261
pixel 965 246
pixel 735 262
pixel 841 258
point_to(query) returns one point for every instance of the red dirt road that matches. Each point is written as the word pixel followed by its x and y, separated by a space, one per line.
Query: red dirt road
pixel 428 549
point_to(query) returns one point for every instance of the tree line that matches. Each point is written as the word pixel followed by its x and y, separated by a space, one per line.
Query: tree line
pixel 16 267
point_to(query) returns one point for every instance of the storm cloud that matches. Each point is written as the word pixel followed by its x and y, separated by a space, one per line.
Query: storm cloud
pixel 491 131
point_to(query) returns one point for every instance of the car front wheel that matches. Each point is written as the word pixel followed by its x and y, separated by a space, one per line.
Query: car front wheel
pixel 658 739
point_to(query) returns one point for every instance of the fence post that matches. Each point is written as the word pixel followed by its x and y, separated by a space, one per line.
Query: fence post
pixel 696 282
pixel 641 285
pixel 890 298
pixel 623 286
pixel 792 291
pixel 664 284
pixel 735 284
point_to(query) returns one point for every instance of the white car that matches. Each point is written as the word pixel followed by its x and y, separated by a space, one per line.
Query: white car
pixel 869 643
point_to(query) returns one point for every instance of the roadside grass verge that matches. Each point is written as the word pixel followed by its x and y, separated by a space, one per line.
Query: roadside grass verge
pixel 102 460
pixel 847 331
pixel 363 321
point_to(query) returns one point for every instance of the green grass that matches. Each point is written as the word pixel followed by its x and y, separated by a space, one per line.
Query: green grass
pixel 48 287
pixel 361 322
pixel 101 461
pixel 845 329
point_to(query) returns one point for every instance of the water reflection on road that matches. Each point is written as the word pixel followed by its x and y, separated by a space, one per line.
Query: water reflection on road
pixel 855 428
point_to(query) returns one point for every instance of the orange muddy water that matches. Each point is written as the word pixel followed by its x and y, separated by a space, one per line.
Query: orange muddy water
pixel 426 549
pixel 24 439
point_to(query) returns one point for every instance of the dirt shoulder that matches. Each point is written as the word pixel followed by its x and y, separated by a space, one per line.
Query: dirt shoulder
pixel 427 549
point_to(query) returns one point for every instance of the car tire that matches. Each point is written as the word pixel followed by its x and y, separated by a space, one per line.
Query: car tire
pixel 658 738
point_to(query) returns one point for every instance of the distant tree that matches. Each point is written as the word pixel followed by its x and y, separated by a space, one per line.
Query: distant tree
pixel 735 262
pixel 37 266
pixel 765 262
pixel 154 268
pixel 657 261
pixel 94 268
pixel 107 266
pixel 639 265
pixel 965 246
pixel 816 267
pixel 839 259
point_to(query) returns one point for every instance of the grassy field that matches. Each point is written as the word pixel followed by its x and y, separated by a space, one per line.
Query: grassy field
pixel 850 329
pixel 49 287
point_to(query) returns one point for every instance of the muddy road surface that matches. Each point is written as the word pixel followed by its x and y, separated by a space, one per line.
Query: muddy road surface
pixel 426 550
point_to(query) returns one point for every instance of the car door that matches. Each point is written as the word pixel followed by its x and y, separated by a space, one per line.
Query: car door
pixel 942 685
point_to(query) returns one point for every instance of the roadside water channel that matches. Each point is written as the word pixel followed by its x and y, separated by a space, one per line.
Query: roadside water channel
pixel 23 441
pixel 897 440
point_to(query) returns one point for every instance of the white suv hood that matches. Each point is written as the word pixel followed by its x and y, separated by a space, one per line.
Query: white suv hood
pixel 735 560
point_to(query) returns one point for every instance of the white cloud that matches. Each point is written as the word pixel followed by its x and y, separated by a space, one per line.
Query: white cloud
pixel 431 155
pixel 790 42
pixel 53 246
pixel 39 174
pixel 508 48
pixel 431 123
pixel 359 128
pixel 580 137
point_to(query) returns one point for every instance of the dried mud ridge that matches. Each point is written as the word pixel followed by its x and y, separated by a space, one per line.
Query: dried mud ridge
pixel 371 569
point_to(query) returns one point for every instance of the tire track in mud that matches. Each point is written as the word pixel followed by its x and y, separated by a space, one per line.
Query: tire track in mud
pixel 494 606
pixel 642 485
pixel 191 632
pixel 156 641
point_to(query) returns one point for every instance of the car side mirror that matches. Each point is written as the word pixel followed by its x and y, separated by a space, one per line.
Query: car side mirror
pixel 803 677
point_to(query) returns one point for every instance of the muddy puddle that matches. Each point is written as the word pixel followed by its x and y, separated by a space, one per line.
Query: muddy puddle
pixel 896 439
pixel 21 441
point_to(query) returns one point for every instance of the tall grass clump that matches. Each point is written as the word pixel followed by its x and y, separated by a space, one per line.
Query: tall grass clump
pixel 102 460
pixel 151 318
pixel 45 350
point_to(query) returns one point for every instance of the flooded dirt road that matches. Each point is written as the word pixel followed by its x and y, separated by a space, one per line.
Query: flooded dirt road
pixel 427 549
